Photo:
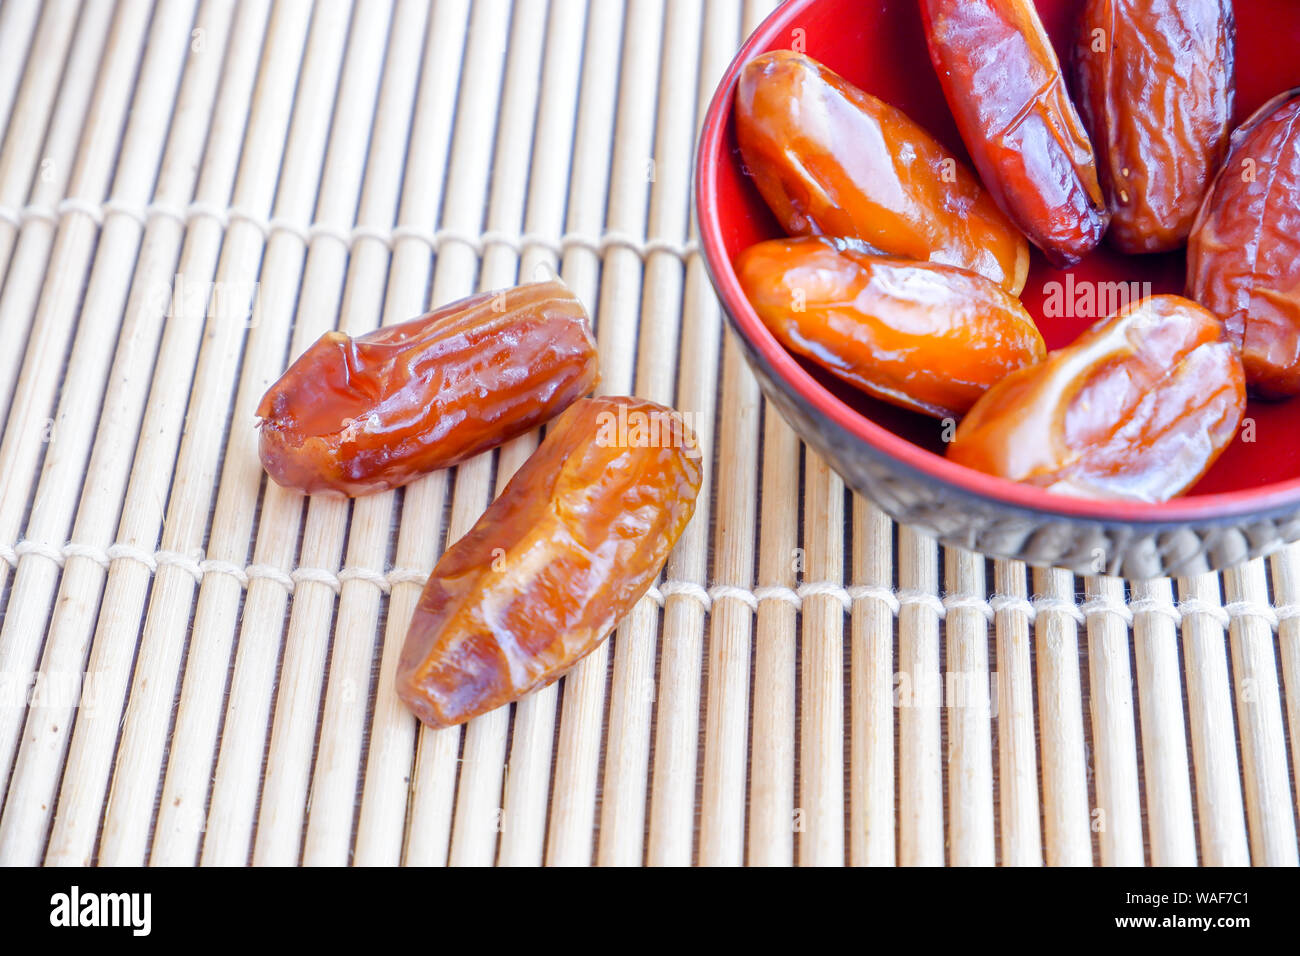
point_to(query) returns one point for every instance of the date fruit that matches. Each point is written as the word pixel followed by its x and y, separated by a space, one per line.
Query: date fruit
pixel 572 543
pixel 930 338
pixel 1243 258
pixel 834 161
pixel 370 413
pixel 1156 89
pixel 1138 408
pixel 1005 88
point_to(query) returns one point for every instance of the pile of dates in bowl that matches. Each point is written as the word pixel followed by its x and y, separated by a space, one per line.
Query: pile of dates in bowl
pixel 1027 274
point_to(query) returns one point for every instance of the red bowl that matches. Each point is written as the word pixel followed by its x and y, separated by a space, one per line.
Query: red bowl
pixel 1249 502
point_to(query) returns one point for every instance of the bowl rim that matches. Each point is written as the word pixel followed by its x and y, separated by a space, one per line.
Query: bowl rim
pixel 1213 508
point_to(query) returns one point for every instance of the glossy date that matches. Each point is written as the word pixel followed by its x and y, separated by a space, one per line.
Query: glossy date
pixel 1137 408
pixel 1155 80
pixel 370 413
pixel 927 337
pixel 572 543
pixel 832 160
pixel 1243 258
pixel 1004 85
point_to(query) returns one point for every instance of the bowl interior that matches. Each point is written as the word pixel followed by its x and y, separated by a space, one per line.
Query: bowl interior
pixel 880 46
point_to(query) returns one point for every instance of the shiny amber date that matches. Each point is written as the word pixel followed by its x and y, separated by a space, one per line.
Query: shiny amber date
pixel 832 160
pixel 1137 408
pixel 1243 258
pixel 370 413
pixel 927 337
pixel 573 542
pixel 1004 85
pixel 1155 80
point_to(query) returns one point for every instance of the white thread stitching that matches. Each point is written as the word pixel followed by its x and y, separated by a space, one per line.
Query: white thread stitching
pixel 720 592
pixel 187 564
pixel 908 597
pixel 20 217
pixel 1060 605
pixel 49 552
pixel 72 204
pixel 1287 612
pixel 777 593
pixel 272 573
pixel 1013 604
pixel 306 232
pixel 876 592
pixel 1097 606
pixel 1157 606
pixel 825 589
pixel 952 602
pixel 1250 609
pixel 1192 606
pixel 689 589
pixel 200 210
pixel 130 553
pixel 197 566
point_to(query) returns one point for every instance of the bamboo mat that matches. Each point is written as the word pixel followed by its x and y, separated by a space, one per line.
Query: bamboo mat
pixel 197 664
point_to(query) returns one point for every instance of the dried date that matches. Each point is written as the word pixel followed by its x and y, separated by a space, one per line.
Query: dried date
pixel 1003 82
pixel 1243 258
pixel 1137 408
pixel 832 160
pixel 1155 80
pixel 572 543
pixel 927 337
pixel 370 413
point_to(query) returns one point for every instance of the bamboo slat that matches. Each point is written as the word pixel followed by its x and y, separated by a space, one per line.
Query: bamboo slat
pixel 1164 741
pixel 772 757
pixel 969 710
pixel 919 694
pixel 1285 567
pixel 17 26
pixel 1270 801
pixel 820 815
pixel 1213 731
pixel 1117 816
pixel 197 664
pixel 1067 816
pixel 872 722
pixel 1017 774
